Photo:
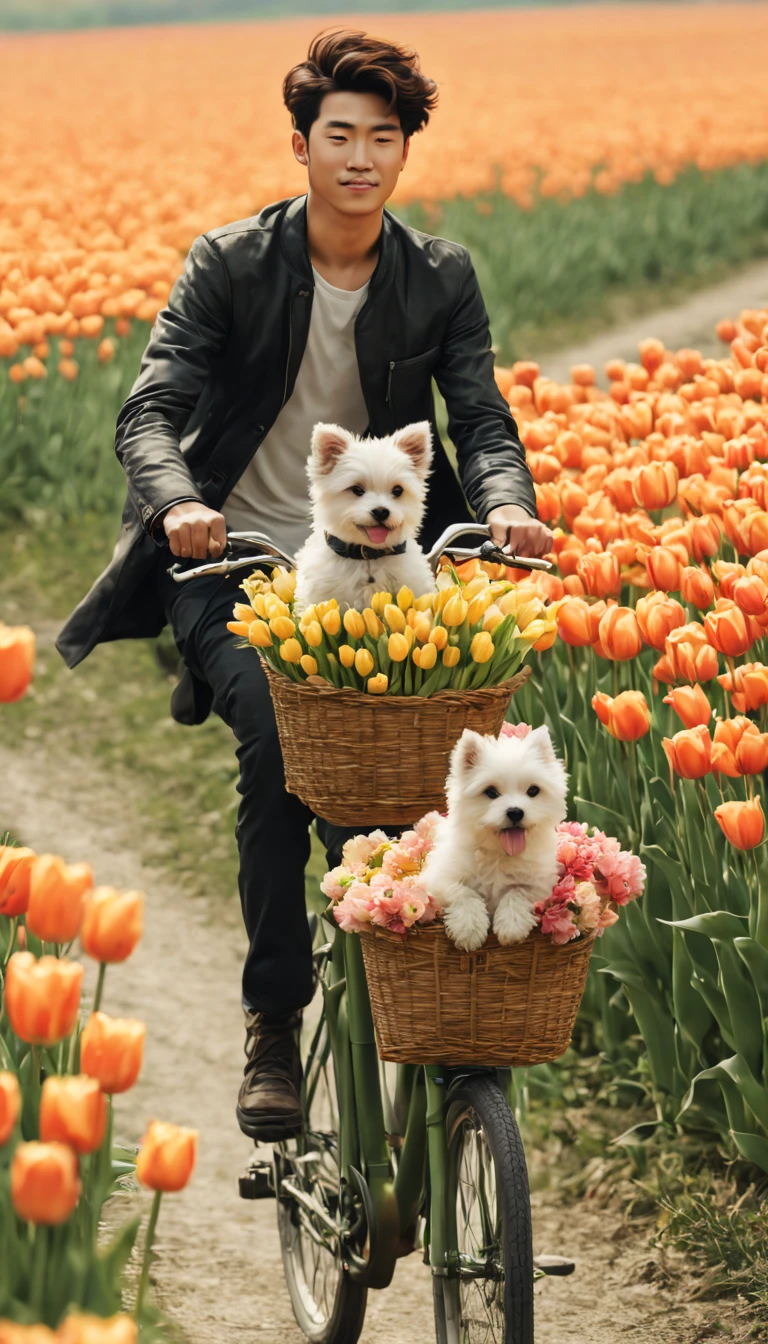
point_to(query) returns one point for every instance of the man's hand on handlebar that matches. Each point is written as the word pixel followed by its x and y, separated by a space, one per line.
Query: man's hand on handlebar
pixel 511 524
pixel 194 531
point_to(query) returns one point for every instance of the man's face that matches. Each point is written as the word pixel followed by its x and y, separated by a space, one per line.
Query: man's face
pixel 354 140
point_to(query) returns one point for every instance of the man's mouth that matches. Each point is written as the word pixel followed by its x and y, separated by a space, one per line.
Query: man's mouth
pixel 377 535
pixel 513 840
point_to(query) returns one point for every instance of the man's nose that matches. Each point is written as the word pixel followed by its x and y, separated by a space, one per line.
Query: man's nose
pixel 515 815
pixel 381 515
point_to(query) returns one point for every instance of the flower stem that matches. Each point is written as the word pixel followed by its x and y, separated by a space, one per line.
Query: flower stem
pixel 99 986
pixel 143 1281
pixel 37 1271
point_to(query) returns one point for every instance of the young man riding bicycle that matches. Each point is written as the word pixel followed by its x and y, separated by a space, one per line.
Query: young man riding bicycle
pixel 322 307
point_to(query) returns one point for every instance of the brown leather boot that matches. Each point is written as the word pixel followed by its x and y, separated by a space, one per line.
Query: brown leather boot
pixel 268 1104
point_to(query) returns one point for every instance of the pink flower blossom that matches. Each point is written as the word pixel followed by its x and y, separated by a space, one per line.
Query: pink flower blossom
pixel 618 874
pixel 335 882
pixel 426 827
pixel 399 862
pixel 607 918
pixel 359 849
pixel 353 914
pixel 515 730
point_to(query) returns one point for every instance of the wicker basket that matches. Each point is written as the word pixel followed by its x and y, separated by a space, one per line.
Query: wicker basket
pixel 502 1006
pixel 376 760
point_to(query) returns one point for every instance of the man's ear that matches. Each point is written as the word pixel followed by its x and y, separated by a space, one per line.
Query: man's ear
pixel 467 752
pixel 329 442
pixel 416 442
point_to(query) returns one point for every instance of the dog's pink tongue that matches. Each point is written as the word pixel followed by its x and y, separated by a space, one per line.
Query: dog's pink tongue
pixel 378 534
pixel 513 840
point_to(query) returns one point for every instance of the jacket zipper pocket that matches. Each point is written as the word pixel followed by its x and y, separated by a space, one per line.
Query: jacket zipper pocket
pixel 389 380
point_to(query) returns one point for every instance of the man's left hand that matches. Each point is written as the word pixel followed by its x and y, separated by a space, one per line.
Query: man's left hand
pixel 511 524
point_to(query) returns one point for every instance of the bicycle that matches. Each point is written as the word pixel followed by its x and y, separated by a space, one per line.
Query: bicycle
pixel 392 1158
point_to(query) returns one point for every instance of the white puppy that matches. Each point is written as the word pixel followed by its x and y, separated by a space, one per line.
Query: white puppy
pixel 495 853
pixel 367 505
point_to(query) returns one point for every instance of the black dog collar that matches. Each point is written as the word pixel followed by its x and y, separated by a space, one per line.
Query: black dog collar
pixel 353 550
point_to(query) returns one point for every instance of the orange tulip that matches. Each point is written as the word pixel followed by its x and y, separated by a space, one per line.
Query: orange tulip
pixel 26 1334
pixel 77 1329
pixel 664 569
pixel 655 486
pixel 600 573
pixel 751 595
pixel 15 865
pixel 10 1105
pixel 743 824
pixel 619 634
pixel 573 622
pixel 664 671
pixel 689 752
pixel 739 748
pixel 17 655
pixel 42 997
pixel 748 687
pixel 166 1156
pixel 56 894
pixel 691 705
pixel 657 616
pixel 692 662
pixel 754 532
pixel 73 1110
pixel 112 923
pixel 696 587
pixel 626 716
pixel 111 1050
pixel 45 1186
pixel 727 629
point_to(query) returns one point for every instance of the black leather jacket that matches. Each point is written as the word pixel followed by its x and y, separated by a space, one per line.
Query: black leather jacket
pixel 222 360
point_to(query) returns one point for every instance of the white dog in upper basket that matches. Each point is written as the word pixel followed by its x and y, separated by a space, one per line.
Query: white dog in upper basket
pixel 367 506
pixel 495 853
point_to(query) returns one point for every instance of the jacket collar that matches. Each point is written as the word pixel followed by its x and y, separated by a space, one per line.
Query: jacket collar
pixel 293 242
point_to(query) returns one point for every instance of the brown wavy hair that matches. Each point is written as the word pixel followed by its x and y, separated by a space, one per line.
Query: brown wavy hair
pixel 346 59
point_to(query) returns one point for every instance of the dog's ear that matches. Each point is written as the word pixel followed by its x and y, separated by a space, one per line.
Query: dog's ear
pixel 467 752
pixel 416 442
pixel 540 740
pixel 329 442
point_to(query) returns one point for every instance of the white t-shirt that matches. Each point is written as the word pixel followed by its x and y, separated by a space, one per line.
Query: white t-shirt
pixel 272 494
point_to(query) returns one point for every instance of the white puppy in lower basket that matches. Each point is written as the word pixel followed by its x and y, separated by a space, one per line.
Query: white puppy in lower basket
pixel 495 853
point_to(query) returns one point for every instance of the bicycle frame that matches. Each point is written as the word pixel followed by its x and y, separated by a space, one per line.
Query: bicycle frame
pixel 391 1201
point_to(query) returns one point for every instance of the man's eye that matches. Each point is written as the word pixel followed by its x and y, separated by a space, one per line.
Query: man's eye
pixel 357 490
pixel 534 789
pixel 491 792
pixel 397 491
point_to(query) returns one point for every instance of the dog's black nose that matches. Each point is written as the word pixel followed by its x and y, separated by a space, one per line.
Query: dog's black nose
pixel 515 815
pixel 381 515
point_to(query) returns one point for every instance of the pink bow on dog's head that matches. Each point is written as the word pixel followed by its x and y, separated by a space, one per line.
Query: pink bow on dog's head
pixel 519 730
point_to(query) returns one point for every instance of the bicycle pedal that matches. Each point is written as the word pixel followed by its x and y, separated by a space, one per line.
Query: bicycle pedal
pixel 257 1181
pixel 556 1266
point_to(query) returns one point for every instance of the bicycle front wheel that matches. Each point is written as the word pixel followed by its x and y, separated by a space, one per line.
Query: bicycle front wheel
pixel 491 1302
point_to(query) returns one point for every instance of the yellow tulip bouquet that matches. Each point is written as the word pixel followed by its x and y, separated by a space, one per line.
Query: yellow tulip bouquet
pixel 473 631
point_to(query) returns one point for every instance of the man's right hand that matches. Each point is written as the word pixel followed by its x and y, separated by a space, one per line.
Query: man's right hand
pixel 195 531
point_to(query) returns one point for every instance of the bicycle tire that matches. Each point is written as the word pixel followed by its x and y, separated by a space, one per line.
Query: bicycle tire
pixel 334 1316
pixel 479 1112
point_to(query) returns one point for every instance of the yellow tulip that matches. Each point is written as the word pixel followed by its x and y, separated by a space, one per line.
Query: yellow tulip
pixel 451 655
pixel 332 658
pixel 282 627
pixel 259 635
pixel 363 662
pixel 397 647
pixel 493 617
pixel 291 651
pixel 409 636
pixel 424 603
pixel 308 615
pixel 455 610
pixel 425 657
pixel 481 648
pixel 534 631
pixel 475 587
pixel 309 664
pixel 394 618
pixel 257 602
pixel 404 598
pixel 243 612
pixel 239 627
pixel 444 595
pixel 379 601
pixel 346 655
pixel 332 621
pixel 284 583
pixel 547 639
pixel 354 624
pixel 274 607
pixel 422 626
pixel 378 684
pixel 313 633
pixel 439 637
pixel 372 623
pixel 324 607
pixel 479 605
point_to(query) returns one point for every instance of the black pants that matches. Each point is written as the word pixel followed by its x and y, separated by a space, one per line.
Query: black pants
pixel 272 825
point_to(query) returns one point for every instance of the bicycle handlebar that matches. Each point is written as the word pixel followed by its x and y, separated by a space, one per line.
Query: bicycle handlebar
pixel 488 551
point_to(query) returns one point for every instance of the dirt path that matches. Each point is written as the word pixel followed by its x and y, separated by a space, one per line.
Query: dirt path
pixel 219 1270
pixel 691 323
